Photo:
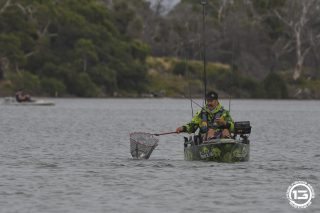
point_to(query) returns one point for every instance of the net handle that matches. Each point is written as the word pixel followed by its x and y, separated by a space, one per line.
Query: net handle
pixel 165 133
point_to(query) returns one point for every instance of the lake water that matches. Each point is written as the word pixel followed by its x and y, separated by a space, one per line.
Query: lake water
pixel 74 157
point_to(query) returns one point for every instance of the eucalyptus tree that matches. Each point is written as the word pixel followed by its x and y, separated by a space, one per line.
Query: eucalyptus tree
pixel 300 36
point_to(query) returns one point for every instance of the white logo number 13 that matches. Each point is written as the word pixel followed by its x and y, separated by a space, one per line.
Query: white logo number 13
pixel 300 192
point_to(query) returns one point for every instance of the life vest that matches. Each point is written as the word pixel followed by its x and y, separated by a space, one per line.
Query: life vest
pixel 208 119
pixel 204 122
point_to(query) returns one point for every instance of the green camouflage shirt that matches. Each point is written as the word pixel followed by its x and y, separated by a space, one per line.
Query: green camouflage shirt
pixel 218 112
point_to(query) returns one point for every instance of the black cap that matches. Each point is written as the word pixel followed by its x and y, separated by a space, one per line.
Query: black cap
pixel 212 95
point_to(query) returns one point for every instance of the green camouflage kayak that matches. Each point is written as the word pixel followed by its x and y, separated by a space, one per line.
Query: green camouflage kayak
pixel 236 149
pixel 218 150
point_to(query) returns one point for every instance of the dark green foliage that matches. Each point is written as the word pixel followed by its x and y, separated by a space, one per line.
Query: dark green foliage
pixel 180 68
pixel 52 87
pixel 6 88
pixel 139 50
pixel 275 87
pixel 263 6
pixel 25 80
pixel 105 77
pixel 220 77
pixel 83 86
pixel 10 46
pixel 251 87
pixel 74 46
pixel 133 78
pixel 184 68
pixel 122 15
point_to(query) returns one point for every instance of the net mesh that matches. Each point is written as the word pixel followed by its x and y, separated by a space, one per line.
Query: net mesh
pixel 142 144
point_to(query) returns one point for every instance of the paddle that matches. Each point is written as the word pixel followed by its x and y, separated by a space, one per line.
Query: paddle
pixel 165 133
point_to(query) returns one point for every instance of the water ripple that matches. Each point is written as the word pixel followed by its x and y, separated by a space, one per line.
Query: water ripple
pixel 74 158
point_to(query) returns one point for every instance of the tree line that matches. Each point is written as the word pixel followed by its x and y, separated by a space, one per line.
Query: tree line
pixel 100 47
pixel 72 47
pixel 256 36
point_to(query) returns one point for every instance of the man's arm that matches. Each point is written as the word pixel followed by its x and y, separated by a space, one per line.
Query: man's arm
pixel 192 126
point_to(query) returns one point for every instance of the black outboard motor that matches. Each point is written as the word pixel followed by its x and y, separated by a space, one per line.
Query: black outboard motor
pixel 242 128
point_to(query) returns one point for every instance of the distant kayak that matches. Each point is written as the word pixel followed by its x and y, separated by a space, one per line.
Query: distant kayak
pixel 12 101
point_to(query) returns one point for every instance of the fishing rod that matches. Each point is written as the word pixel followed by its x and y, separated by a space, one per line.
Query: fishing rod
pixel 196 104
pixel 204 3
pixel 204 108
pixel 232 70
pixel 187 71
pixel 190 100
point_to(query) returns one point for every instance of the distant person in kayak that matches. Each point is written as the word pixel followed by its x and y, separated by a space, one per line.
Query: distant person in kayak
pixel 22 97
pixel 213 120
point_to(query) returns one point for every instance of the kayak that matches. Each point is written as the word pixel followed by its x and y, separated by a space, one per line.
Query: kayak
pixel 235 149
pixel 12 101
pixel 218 150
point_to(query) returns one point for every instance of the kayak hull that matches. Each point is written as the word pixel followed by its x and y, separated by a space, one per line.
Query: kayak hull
pixel 217 150
pixel 12 101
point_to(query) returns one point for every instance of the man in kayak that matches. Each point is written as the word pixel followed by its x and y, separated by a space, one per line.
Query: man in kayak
pixel 22 97
pixel 213 120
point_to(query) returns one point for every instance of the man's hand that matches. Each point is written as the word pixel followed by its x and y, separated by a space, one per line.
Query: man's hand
pixel 220 121
pixel 179 129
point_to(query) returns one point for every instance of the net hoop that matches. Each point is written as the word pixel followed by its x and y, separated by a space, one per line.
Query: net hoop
pixel 151 136
pixel 142 144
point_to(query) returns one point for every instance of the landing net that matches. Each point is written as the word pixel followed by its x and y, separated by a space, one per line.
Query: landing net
pixel 142 144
